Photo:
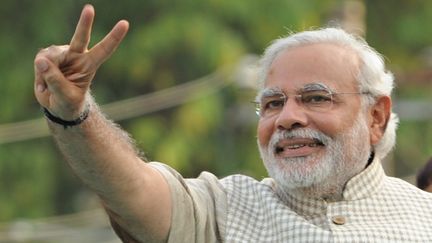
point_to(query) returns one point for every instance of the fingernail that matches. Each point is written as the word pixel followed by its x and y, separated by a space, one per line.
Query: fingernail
pixel 41 65
pixel 40 88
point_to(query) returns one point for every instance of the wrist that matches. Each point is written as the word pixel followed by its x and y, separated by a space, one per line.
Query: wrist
pixel 70 122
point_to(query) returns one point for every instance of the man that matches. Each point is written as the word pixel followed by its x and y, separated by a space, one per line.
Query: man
pixel 325 124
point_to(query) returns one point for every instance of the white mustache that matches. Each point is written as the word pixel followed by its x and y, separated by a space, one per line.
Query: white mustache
pixel 299 133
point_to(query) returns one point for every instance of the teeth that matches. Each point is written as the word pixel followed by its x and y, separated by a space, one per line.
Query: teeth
pixel 295 146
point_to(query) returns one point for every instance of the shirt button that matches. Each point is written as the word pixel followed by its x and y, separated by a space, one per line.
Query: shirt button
pixel 339 220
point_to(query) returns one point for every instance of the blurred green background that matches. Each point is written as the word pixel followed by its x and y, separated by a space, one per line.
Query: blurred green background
pixel 210 126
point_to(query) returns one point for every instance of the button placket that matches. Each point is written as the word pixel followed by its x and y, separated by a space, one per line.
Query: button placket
pixel 336 215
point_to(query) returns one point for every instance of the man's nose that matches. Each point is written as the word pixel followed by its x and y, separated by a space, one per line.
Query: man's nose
pixel 292 115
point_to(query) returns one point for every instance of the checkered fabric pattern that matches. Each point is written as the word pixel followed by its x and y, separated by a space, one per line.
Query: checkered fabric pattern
pixel 376 208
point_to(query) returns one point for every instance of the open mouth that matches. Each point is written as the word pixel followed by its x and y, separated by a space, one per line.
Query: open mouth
pixel 297 144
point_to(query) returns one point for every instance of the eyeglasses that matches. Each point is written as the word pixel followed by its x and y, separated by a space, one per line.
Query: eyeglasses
pixel 272 101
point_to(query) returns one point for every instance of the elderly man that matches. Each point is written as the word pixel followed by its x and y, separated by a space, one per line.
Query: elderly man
pixel 325 124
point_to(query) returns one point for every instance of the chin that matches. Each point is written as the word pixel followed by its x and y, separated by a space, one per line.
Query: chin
pixel 297 172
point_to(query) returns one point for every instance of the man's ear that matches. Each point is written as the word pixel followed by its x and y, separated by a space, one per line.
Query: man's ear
pixel 379 115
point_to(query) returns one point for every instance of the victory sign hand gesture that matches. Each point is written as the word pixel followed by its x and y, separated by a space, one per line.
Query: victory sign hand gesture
pixel 63 74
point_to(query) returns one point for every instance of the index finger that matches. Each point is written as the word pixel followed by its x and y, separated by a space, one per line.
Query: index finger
pixel 81 37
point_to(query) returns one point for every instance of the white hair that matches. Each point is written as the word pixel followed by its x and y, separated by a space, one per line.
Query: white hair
pixel 372 77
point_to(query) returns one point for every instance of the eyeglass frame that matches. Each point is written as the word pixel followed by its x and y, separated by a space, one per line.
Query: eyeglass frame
pixel 273 92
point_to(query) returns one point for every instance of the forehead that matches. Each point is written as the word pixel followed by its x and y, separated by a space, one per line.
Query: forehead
pixel 330 64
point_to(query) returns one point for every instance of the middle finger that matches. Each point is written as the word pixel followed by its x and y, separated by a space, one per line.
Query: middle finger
pixel 81 37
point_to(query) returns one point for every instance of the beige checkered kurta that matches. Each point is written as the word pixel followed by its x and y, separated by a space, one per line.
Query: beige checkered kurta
pixel 376 208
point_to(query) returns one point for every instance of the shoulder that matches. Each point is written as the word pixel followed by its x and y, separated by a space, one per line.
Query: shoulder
pixel 404 192
pixel 206 182
pixel 242 190
pixel 403 187
pixel 245 183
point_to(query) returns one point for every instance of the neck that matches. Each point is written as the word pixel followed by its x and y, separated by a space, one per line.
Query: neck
pixel 325 191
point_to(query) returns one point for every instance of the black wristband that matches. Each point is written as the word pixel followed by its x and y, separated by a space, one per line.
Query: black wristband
pixel 65 123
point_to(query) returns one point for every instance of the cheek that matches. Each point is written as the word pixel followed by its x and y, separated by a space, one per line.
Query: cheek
pixel 332 124
pixel 264 132
pixel 332 129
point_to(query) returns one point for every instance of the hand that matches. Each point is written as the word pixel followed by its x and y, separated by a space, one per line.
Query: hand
pixel 63 74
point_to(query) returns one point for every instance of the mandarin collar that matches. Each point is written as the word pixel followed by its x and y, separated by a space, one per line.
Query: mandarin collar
pixel 362 185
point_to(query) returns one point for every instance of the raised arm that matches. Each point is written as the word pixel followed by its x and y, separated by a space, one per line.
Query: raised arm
pixel 98 151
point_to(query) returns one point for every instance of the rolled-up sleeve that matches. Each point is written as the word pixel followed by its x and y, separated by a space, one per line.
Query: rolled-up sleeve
pixel 198 207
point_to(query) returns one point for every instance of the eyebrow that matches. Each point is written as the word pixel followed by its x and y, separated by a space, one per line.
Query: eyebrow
pixel 316 86
pixel 268 92
pixel 274 91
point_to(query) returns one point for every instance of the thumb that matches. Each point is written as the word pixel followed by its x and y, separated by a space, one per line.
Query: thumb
pixel 52 76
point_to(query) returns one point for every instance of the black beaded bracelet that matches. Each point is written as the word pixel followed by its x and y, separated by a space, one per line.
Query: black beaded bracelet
pixel 65 123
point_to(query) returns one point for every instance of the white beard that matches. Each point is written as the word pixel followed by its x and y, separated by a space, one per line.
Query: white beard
pixel 320 176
